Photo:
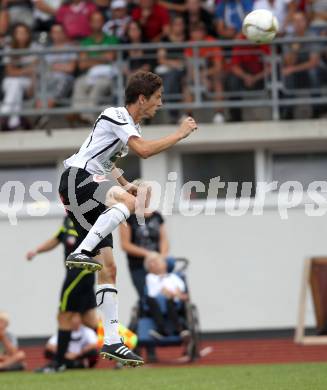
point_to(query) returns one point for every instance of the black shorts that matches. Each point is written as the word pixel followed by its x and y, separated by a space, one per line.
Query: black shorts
pixel 77 294
pixel 84 201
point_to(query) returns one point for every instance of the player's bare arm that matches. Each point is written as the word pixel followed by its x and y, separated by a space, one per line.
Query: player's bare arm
pixel 45 247
pixel 145 148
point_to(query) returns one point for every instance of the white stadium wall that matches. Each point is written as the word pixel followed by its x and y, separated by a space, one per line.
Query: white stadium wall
pixel 245 272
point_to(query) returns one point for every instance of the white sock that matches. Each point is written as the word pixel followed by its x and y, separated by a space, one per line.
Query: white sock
pixel 107 302
pixel 104 225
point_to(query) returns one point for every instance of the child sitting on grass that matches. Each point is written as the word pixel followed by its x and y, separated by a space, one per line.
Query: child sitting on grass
pixel 11 358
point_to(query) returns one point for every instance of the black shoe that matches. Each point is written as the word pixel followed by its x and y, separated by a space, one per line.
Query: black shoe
pixel 52 367
pixel 120 353
pixel 84 261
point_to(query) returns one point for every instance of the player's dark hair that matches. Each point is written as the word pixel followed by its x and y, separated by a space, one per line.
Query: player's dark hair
pixel 141 83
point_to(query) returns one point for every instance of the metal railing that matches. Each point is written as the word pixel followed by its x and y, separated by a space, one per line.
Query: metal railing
pixel 273 93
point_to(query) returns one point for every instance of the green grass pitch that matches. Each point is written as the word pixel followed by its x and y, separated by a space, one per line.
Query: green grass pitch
pixel 260 377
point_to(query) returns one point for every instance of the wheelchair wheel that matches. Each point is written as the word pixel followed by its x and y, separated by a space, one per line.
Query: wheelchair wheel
pixel 135 314
pixel 194 327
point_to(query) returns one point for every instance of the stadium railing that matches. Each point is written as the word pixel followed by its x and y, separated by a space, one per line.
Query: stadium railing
pixel 272 94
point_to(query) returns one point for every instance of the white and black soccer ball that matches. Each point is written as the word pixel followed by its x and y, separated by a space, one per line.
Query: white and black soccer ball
pixel 260 26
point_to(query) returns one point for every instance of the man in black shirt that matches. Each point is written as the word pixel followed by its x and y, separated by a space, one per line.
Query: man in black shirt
pixel 139 240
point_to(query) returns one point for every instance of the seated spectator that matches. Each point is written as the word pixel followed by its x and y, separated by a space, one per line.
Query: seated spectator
pixel 318 21
pixel 171 64
pixel 195 13
pixel 301 63
pixel 45 13
pixel 211 69
pixel 11 358
pixel 104 7
pixel 60 72
pixel 324 59
pixel 161 284
pixel 82 349
pixel 118 23
pixel 174 7
pixel 136 59
pixel 153 18
pixel 229 16
pixel 75 17
pixel 282 9
pixel 98 70
pixel 13 12
pixel 19 80
pixel 303 5
pixel 248 71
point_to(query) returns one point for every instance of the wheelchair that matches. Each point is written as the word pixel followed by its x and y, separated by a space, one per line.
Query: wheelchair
pixel 141 322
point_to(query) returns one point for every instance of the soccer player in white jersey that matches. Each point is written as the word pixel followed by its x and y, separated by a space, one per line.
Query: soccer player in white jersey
pixel 85 191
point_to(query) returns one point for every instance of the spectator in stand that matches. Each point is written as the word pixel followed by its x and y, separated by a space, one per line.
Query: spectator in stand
pixel 301 63
pixel 45 13
pixel 19 80
pixel 98 71
pixel 82 351
pixel 229 16
pixel 318 23
pixel 282 9
pixel 324 59
pixel 303 5
pixel 248 71
pixel 175 7
pixel 195 13
pixel 104 7
pixel 118 23
pixel 136 59
pixel 153 18
pixel 11 358
pixel 75 16
pixel 211 68
pixel 171 64
pixel 13 12
pixel 60 72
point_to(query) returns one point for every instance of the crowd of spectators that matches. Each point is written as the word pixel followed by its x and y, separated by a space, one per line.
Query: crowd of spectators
pixel 88 78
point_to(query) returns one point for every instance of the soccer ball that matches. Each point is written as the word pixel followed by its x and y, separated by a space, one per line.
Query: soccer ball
pixel 260 26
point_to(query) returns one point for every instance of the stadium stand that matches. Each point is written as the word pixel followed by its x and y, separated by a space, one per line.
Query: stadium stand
pixel 150 35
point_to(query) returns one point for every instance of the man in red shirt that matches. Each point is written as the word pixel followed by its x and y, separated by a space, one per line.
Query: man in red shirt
pixel 248 71
pixel 211 68
pixel 153 18
pixel 75 17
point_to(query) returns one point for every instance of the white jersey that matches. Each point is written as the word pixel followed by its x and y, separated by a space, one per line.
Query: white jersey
pixel 79 339
pixel 156 283
pixel 106 143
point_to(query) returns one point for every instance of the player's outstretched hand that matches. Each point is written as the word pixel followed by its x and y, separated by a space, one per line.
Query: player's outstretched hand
pixel 30 255
pixel 187 126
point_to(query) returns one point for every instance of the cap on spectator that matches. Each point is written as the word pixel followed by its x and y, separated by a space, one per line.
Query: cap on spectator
pixel 115 4
pixel 4 316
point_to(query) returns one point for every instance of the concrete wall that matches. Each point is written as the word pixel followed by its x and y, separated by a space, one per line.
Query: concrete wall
pixel 245 271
